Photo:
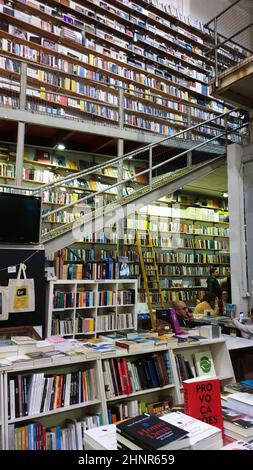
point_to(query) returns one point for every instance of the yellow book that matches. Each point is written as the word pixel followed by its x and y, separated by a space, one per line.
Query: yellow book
pixel 73 85
pixel 91 59
pixel 67 83
pixel 41 75
pixel 82 105
pixel 42 93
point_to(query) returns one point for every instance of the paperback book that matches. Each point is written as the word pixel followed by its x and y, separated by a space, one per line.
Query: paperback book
pixel 150 432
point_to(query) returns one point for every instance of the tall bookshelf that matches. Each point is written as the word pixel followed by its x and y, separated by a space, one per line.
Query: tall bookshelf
pixel 78 58
pixel 189 232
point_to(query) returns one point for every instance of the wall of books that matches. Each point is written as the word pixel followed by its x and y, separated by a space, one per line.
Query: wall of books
pixel 78 59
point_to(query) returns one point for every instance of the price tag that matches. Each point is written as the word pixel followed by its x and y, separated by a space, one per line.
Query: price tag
pixel 12 269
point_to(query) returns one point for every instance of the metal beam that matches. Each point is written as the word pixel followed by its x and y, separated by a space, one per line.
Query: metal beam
pixel 90 127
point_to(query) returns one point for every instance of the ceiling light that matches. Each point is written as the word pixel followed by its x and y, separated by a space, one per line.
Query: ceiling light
pixel 130 158
pixel 60 147
pixel 225 194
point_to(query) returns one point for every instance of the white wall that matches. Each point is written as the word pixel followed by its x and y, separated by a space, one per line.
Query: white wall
pixel 202 10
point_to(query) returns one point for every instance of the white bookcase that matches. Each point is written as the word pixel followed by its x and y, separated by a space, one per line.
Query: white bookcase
pixel 76 308
pixel 100 404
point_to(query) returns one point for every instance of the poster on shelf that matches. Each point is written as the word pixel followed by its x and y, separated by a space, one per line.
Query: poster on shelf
pixel 21 293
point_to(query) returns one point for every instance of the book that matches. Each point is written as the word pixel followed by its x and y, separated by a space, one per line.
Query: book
pixel 238 387
pixel 202 400
pixel 242 402
pixel 238 445
pixel 151 432
pixel 202 436
pixel 135 345
pixel 42 156
pixel 240 424
pixel 204 363
pixel 7 346
pixel 23 340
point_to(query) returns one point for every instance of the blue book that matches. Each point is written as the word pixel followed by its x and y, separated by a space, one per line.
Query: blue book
pixel 249 383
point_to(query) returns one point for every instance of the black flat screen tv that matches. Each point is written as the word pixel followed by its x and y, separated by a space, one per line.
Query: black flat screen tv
pixel 19 218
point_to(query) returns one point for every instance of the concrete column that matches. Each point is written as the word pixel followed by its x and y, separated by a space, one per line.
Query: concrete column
pixel 248 201
pixel 20 154
pixel 120 223
pixel 239 284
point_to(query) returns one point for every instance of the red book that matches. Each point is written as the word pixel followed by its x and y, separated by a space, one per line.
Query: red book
pixel 202 400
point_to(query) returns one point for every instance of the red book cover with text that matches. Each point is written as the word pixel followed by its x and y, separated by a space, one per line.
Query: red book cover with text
pixel 202 400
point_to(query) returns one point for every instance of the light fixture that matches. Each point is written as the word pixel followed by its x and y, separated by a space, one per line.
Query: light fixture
pixel 225 194
pixel 130 158
pixel 60 147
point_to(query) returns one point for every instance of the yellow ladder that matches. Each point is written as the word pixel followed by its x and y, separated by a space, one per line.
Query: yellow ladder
pixel 154 270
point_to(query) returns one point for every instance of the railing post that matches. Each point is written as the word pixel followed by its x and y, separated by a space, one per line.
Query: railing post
pixel 120 222
pixel 150 167
pixel 121 108
pixel 189 158
pixel 189 135
pixel 21 127
pixel 216 51
pixel 23 84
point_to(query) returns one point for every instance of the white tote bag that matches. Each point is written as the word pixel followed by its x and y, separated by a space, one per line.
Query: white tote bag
pixel 21 293
pixel 4 303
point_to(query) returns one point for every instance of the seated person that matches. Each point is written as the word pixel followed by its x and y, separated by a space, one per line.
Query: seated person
pixel 209 302
pixel 225 301
pixel 184 315
pixel 246 330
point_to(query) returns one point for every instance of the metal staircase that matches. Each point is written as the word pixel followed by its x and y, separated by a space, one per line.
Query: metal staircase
pixel 94 211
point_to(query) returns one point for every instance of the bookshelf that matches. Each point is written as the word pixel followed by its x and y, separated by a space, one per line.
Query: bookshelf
pixel 188 236
pixel 79 403
pixel 80 308
pixel 187 240
pixel 78 58
pixel 69 408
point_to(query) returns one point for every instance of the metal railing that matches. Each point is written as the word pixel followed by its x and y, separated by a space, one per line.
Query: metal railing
pixel 232 31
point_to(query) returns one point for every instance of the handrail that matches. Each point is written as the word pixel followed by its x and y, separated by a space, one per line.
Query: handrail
pixel 101 166
pixel 220 44
pixel 155 167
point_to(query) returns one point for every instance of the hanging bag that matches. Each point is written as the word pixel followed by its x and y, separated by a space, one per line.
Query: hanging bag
pixel 4 303
pixel 21 293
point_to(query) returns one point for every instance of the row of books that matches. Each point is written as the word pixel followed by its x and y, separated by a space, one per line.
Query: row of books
pixel 84 298
pixel 87 255
pixel 39 393
pixel 191 296
pixel 63 299
pixel 62 327
pixel 190 212
pixel 38 56
pixel 199 258
pixel 156 225
pixel 35 436
pixel 175 241
pixel 187 270
pixel 190 365
pixel 123 377
pixel 125 321
pixel 129 409
pixel 66 327
pixel 106 322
